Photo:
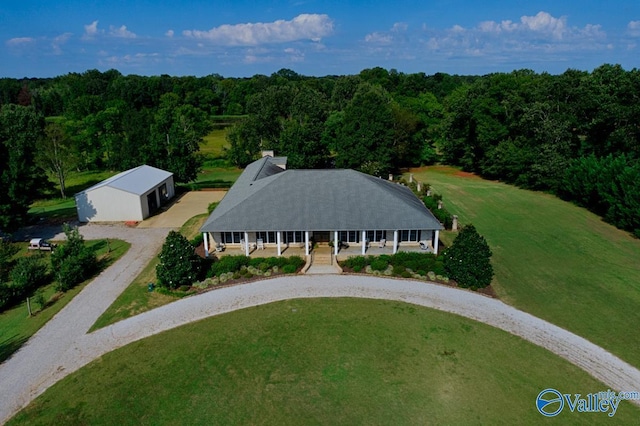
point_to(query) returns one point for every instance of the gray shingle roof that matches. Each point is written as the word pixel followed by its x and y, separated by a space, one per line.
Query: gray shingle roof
pixel 266 199
pixel 137 180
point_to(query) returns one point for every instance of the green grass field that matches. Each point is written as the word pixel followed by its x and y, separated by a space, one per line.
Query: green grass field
pixel 214 143
pixel 136 298
pixel 16 326
pixel 320 361
pixel 553 259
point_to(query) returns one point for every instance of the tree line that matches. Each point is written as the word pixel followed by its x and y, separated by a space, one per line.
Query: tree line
pixel 575 134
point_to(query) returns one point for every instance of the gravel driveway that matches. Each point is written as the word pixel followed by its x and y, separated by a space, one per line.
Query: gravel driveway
pixel 63 346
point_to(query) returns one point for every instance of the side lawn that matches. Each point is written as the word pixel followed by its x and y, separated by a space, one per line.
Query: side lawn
pixel 17 326
pixel 551 258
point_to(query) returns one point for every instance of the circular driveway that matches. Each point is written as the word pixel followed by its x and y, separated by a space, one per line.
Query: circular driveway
pixel 63 345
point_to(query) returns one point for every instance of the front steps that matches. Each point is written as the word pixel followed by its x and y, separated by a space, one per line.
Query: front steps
pixel 322 262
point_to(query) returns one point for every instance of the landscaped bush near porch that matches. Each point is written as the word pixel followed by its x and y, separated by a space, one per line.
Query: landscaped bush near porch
pixel 402 264
pixel 240 264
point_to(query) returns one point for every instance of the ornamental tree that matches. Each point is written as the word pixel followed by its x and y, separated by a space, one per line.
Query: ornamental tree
pixel 468 260
pixel 179 264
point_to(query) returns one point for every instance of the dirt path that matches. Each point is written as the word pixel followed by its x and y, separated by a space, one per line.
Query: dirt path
pixel 63 346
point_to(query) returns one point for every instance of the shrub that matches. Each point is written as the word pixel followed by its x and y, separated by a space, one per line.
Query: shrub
pixel 7 251
pixel 296 261
pixel 357 263
pixel 28 274
pixel 468 260
pixel 229 264
pixel 73 262
pixel 197 240
pixel 379 264
pixel 398 270
pixel 179 264
pixel 38 299
pixel 289 269
pixel 442 214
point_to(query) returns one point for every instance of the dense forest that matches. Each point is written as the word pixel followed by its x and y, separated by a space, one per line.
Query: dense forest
pixel 576 135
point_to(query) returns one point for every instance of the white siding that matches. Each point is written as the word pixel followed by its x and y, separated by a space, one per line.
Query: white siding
pixel 108 205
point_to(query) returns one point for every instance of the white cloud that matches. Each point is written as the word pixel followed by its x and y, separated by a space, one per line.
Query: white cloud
pixel 20 41
pixel 387 37
pixel 494 27
pixel 294 55
pixel 302 27
pixel 633 28
pixel 546 24
pixel 169 33
pixel 91 30
pixel 59 41
pixel 399 27
pixel 541 32
pixel 121 32
pixel 539 37
pixel 379 38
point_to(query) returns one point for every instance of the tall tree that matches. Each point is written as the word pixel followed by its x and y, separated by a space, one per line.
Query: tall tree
pixel 55 154
pixel 364 138
pixel 20 179
pixel 175 138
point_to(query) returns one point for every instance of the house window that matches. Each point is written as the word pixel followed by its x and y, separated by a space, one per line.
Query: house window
pixel 267 237
pixel 231 237
pixel 376 235
pixel 349 236
pixel 409 235
pixel 292 237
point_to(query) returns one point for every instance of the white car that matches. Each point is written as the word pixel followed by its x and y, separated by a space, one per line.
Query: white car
pixel 41 244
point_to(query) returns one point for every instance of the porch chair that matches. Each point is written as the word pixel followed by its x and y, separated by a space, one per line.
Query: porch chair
pixel 260 244
pixel 382 243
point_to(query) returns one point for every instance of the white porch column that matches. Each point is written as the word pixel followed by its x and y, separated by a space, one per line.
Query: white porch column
pixel 435 243
pixel 279 239
pixel 335 243
pixel 206 243
pixel 246 243
pixel 395 241
pixel 306 243
pixel 364 242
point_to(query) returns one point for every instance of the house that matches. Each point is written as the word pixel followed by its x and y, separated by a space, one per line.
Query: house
pixel 271 206
pixel 132 195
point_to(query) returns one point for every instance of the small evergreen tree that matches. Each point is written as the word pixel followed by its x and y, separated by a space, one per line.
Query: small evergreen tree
pixel 179 264
pixel 468 260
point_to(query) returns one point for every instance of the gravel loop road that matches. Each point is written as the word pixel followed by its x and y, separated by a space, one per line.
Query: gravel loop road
pixel 55 350
pixel 63 345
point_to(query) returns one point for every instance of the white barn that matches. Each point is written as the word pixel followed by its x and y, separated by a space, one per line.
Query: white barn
pixel 132 195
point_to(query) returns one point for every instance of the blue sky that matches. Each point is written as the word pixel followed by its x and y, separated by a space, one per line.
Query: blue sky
pixel 240 38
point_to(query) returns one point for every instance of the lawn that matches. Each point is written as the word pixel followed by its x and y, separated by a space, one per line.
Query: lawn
pixel 320 361
pixel 214 143
pixel 17 326
pixel 551 258
pixel 136 298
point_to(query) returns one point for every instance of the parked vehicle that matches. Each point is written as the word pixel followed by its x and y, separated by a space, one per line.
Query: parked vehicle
pixel 41 244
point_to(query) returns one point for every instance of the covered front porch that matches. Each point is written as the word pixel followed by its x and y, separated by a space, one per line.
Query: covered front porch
pixel 343 243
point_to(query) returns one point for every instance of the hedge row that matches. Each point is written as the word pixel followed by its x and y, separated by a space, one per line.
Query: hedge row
pixel 228 264
pixel 420 263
